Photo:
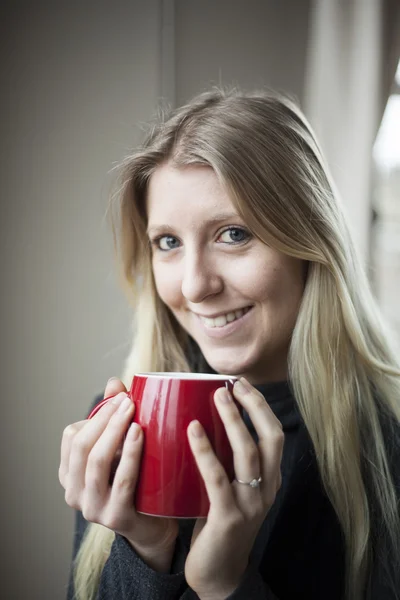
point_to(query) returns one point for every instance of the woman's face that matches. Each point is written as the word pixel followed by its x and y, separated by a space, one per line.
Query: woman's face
pixel 237 297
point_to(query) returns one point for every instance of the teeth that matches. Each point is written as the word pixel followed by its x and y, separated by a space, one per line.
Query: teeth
pixel 220 321
pixel 208 322
pixel 223 320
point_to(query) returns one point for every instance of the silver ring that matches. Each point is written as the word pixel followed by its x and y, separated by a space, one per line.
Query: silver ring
pixel 254 483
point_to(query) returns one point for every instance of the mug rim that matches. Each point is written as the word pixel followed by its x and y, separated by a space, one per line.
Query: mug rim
pixel 188 376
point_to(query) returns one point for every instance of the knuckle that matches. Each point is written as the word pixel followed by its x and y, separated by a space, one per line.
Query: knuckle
pixel 71 499
pixel 89 513
pixel 111 521
pixel 216 478
pixel 275 436
pixel 234 521
pixel 254 397
pixel 250 454
pixel 278 436
pixel 93 480
pixel 123 484
pixel 106 412
pixel 81 445
pixel 115 420
pixel 257 508
pixel 117 423
pixel 235 417
pixel 70 431
pixel 258 401
pixel 96 462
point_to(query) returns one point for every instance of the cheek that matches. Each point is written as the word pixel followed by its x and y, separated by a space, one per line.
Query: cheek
pixel 279 286
pixel 261 283
pixel 286 290
pixel 168 285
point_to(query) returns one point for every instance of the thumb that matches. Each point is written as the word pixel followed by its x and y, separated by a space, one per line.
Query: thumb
pixel 114 386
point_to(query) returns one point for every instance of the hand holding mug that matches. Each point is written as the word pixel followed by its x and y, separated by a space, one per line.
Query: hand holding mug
pixel 88 452
pixel 187 469
pixel 221 544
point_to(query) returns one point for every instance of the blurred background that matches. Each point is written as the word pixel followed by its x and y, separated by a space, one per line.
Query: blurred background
pixel 78 81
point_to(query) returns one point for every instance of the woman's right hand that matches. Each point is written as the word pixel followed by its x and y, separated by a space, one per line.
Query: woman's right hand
pixel 88 451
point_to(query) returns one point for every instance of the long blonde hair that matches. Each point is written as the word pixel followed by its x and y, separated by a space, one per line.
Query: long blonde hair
pixel 342 368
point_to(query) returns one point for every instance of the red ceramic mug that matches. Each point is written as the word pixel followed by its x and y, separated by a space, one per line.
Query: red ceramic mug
pixel 169 483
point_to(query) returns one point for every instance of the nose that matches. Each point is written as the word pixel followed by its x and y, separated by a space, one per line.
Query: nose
pixel 201 277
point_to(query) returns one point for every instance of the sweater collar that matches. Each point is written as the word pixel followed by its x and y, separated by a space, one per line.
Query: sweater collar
pixel 280 398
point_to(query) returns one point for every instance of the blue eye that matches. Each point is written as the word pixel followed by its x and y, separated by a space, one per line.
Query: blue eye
pixel 234 235
pixel 167 242
pixel 231 236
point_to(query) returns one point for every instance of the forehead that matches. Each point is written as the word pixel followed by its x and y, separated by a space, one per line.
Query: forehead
pixel 187 193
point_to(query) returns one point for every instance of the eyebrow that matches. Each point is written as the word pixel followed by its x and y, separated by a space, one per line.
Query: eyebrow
pixel 155 229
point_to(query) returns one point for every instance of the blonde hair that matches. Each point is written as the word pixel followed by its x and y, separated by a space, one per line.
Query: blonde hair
pixel 342 369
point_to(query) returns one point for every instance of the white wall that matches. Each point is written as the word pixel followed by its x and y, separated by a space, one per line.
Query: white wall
pixel 249 43
pixel 77 77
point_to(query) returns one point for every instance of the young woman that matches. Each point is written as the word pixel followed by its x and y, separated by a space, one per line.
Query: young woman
pixel 236 252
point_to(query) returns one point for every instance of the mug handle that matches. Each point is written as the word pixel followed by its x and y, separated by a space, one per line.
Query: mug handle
pixel 98 406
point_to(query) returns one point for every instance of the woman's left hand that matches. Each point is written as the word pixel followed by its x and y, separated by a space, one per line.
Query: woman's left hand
pixel 221 543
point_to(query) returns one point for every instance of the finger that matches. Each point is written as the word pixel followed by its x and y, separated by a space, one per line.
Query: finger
pixel 127 473
pixel 217 484
pixel 101 457
pixel 270 434
pixel 83 443
pixel 67 438
pixel 114 386
pixel 246 457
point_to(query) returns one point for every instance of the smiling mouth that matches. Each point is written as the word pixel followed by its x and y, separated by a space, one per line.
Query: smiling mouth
pixel 223 320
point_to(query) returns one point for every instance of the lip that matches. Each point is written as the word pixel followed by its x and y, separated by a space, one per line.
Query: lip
pixel 228 329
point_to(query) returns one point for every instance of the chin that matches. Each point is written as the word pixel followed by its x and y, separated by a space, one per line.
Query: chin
pixel 227 366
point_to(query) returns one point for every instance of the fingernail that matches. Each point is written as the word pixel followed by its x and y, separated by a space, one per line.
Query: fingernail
pixel 242 386
pixel 118 398
pixel 196 429
pixel 125 406
pixel 112 379
pixel 224 396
